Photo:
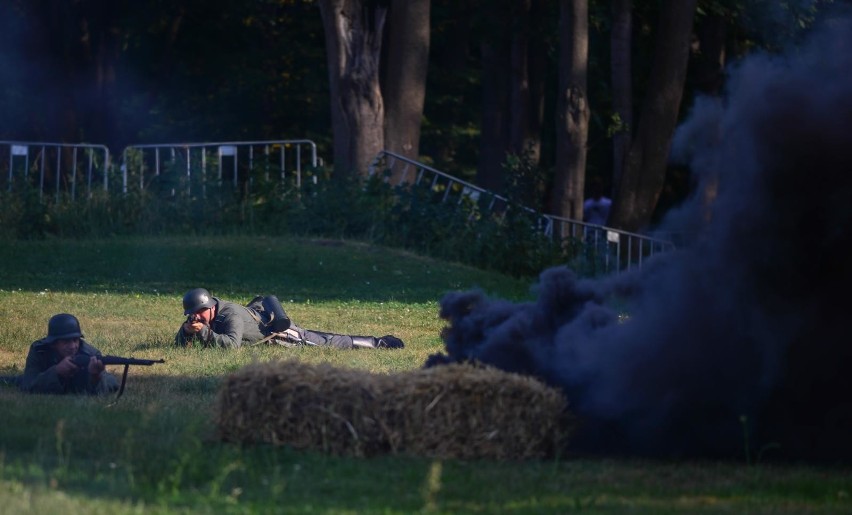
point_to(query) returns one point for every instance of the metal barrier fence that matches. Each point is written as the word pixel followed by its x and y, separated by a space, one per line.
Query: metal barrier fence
pixel 452 189
pixel 605 249
pixel 57 168
pixel 599 249
pixel 235 163
pixel 69 169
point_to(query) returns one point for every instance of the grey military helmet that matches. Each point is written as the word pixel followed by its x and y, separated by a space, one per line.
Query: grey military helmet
pixel 195 299
pixel 63 326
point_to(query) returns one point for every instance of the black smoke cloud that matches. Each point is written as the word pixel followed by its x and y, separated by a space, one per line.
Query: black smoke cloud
pixel 740 340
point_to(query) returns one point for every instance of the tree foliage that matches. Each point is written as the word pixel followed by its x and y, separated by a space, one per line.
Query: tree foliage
pixel 123 71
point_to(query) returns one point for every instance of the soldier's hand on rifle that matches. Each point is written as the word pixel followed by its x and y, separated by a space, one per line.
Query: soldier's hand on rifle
pixel 96 366
pixel 66 367
pixel 192 325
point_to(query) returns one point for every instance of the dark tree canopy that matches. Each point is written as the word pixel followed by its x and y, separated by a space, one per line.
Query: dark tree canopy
pixel 118 72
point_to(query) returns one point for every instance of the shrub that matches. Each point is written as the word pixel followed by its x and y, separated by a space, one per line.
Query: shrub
pixel 409 217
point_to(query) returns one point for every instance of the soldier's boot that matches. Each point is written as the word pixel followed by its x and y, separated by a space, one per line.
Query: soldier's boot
pixel 371 342
pixel 390 341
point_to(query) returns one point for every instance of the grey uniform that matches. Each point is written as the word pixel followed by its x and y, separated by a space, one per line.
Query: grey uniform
pixel 237 325
pixel 40 372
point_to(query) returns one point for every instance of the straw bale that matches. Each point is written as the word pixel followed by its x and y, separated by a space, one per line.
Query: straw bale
pixel 452 411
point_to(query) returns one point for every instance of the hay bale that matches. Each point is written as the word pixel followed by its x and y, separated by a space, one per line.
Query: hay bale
pixel 305 406
pixel 452 411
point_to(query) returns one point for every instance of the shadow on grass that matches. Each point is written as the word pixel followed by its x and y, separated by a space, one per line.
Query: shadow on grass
pixel 301 270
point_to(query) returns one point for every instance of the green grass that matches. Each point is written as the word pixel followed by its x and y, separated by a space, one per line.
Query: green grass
pixel 155 450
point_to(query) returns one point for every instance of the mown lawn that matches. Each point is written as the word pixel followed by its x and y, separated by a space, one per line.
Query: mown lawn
pixel 155 450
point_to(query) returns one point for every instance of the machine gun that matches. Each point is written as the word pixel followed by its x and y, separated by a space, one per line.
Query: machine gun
pixel 82 361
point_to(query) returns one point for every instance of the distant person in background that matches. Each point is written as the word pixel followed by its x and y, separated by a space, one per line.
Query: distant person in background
pixel 596 207
pixel 212 322
pixel 50 364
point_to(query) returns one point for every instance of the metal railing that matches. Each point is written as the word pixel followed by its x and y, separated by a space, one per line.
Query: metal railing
pixel 453 189
pixel 64 168
pixel 60 168
pixel 238 163
pixel 605 249
pixel 601 249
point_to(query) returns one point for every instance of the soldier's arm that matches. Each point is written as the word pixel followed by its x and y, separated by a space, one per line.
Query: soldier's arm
pixel 182 339
pixel 106 383
pixel 229 332
pixel 40 379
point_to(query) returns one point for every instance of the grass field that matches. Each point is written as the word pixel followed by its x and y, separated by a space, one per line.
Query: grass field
pixel 154 451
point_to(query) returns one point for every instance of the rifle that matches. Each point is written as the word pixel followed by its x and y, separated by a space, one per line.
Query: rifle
pixel 82 360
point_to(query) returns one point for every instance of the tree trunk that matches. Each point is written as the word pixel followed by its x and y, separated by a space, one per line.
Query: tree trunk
pixel 494 135
pixel 353 39
pixel 404 86
pixel 709 78
pixel 519 86
pixel 710 58
pixel 527 80
pixel 645 171
pixel 572 110
pixel 622 88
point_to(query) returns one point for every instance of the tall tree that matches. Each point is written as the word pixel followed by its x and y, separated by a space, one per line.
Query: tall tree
pixel 622 90
pixel 528 63
pixel 494 129
pixel 710 52
pixel 645 170
pixel 453 84
pixel 572 110
pixel 514 60
pixel 353 41
pixel 709 75
pixel 404 75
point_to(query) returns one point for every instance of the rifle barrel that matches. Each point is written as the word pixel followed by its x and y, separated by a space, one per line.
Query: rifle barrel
pixel 83 359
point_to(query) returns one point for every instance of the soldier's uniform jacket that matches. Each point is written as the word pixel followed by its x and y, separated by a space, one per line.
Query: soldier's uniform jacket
pixel 236 325
pixel 40 372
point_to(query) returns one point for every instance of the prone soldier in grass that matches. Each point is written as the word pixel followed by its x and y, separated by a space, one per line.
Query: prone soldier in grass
pixel 213 322
pixel 56 363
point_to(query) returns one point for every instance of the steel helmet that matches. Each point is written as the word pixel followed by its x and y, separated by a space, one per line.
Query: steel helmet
pixel 195 299
pixel 63 326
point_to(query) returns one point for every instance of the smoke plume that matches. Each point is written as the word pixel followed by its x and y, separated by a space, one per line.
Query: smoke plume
pixel 738 341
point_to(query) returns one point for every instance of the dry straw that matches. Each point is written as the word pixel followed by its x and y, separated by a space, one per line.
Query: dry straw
pixel 452 411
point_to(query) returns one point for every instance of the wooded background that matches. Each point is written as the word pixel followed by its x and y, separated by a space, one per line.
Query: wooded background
pixel 579 88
